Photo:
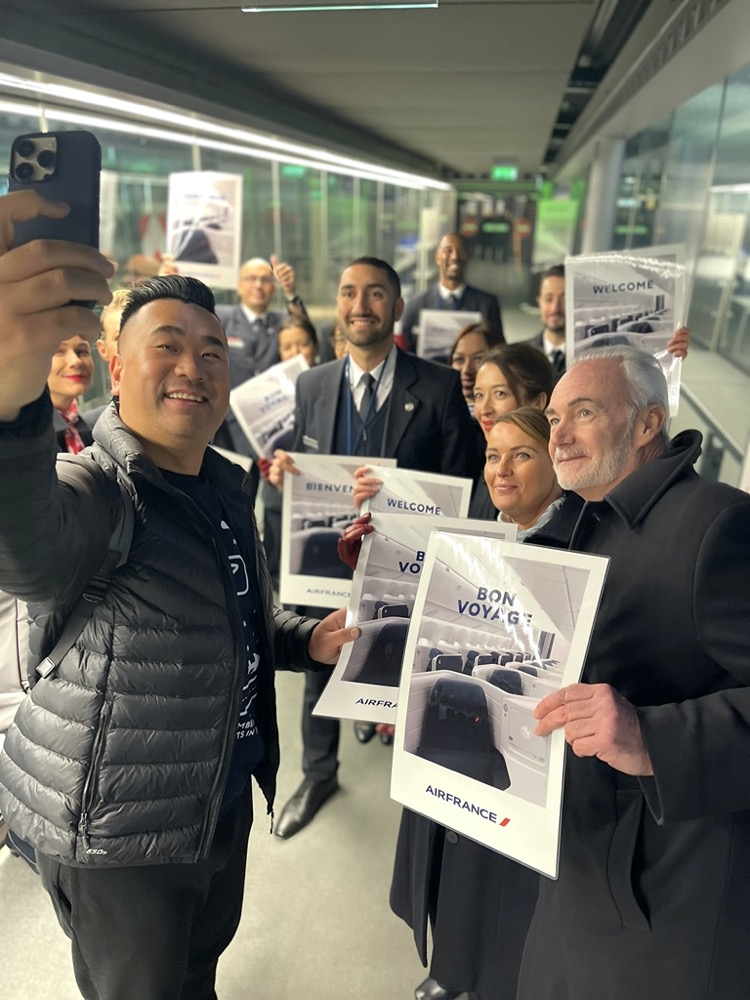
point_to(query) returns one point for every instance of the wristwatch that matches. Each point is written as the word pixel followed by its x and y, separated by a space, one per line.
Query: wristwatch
pixel 294 301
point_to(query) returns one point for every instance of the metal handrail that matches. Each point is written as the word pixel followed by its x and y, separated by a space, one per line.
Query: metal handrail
pixel 715 427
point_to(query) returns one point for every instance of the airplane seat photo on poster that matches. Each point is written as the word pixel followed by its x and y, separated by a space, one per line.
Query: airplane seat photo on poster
pixel 317 506
pixel 495 627
pixel 364 683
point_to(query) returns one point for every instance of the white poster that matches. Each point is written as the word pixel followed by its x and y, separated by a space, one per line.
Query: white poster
pixel 406 491
pixel 364 684
pixel 204 226
pixel 317 505
pixel 632 297
pixel 264 406
pixel 496 626
pixel 438 329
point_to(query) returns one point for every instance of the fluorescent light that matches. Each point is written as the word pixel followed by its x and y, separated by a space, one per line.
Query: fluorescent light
pixel 279 9
pixel 326 161
pixel 185 139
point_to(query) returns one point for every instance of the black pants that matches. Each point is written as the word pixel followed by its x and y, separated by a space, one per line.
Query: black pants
pixel 154 932
pixel 320 736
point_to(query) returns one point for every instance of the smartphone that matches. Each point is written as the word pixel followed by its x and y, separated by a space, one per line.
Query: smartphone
pixel 61 166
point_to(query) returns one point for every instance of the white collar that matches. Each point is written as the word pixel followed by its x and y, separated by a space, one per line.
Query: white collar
pixel 356 373
pixel 445 293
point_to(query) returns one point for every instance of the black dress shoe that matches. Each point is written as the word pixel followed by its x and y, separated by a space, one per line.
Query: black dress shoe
pixel 303 805
pixel 364 731
pixel 431 989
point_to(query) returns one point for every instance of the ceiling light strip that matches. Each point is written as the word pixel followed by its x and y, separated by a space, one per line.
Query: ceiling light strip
pixel 276 9
pixel 116 125
pixel 181 120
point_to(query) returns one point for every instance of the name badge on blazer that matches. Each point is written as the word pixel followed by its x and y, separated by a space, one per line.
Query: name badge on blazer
pixel 309 442
pixel 236 342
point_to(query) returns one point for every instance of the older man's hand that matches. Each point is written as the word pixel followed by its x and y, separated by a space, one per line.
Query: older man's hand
pixel 598 722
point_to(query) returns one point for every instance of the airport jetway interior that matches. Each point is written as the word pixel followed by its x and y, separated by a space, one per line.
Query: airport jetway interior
pixel 529 128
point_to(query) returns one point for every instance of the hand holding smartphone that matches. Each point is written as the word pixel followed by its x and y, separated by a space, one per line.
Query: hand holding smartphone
pixel 61 166
pixel 41 290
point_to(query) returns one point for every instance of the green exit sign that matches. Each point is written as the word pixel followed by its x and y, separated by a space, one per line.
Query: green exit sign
pixel 504 172
pixel 292 170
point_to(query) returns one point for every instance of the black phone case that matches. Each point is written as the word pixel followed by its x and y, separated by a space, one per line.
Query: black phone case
pixel 75 181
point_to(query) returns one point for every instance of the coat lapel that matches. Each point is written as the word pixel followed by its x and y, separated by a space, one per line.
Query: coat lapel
pixel 324 407
pixel 403 403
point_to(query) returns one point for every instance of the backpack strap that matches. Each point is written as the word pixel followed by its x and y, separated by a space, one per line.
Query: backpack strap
pixel 69 469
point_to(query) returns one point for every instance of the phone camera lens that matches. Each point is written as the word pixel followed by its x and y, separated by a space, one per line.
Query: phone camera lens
pixel 46 158
pixel 24 171
pixel 25 148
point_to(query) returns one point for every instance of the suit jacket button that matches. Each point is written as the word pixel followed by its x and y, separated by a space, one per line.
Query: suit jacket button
pixel 451 836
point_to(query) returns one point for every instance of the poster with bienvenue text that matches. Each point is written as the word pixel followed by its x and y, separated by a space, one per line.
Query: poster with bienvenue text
pixel 496 626
pixel 364 683
pixel 634 297
pixel 317 505
pixel 264 406
pixel 438 329
pixel 204 225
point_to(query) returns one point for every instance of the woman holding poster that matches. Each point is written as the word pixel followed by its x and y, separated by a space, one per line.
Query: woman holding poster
pixel 479 903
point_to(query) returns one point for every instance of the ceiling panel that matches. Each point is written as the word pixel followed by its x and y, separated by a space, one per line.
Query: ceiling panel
pixel 457 85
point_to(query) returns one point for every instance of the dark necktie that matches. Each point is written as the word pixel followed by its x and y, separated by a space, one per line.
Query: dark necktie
pixel 453 301
pixel 557 360
pixel 364 406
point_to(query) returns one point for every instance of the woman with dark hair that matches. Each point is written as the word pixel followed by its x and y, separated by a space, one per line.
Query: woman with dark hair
pixel 297 336
pixel 477 902
pixel 469 349
pixel 513 375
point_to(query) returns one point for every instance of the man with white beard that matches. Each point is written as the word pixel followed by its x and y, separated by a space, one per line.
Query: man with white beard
pixel 651 899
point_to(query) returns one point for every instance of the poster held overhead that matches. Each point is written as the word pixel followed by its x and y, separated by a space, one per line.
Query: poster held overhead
pixel 518 618
pixel 634 297
pixel 204 225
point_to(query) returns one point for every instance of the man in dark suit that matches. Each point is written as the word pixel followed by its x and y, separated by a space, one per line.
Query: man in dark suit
pixel 451 292
pixel 551 302
pixel 377 401
pixel 252 330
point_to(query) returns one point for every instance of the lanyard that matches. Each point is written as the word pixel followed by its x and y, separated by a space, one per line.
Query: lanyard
pixel 369 413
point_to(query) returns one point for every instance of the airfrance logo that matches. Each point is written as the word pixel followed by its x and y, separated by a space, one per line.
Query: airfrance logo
pixel 469 807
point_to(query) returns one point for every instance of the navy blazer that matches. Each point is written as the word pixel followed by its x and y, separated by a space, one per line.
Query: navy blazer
pixel 473 300
pixel 249 355
pixel 427 425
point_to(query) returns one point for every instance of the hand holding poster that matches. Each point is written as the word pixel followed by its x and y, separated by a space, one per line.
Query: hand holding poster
pixel 264 406
pixel 495 627
pixel 405 491
pixel 364 684
pixel 632 297
pixel 438 329
pixel 317 505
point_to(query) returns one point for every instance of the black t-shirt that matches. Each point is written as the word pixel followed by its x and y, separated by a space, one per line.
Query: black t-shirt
pixel 249 748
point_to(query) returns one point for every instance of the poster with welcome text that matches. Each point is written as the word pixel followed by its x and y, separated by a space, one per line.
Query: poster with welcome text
pixel 364 683
pixel 496 626
pixel 634 297
pixel 317 505
pixel 405 491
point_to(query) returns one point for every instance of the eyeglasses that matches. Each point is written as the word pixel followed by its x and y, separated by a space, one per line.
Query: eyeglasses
pixel 257 279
